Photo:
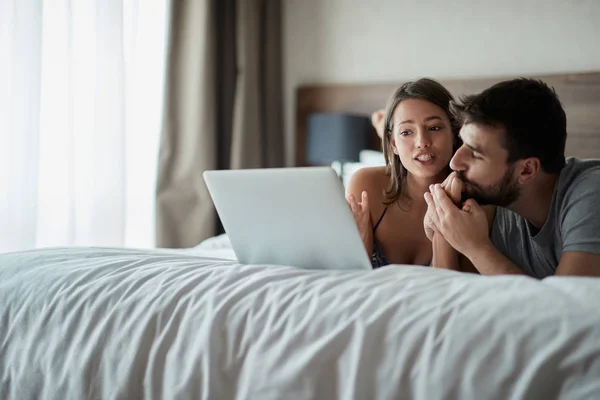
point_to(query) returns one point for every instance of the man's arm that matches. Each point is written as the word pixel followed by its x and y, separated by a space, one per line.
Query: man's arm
pixel 489 261
pixel 446 256
pixel 466 230
pixel 579 263
pixel 580 227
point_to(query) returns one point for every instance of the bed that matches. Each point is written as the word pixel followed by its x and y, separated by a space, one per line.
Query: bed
pixel 109 323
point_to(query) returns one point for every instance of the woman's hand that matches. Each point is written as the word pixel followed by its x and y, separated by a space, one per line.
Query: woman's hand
pixel 453 186
pixel 362 217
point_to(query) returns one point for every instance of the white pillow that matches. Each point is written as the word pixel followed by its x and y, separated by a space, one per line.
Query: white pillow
pixel 371 158
pixel 368 158
pixel 349 169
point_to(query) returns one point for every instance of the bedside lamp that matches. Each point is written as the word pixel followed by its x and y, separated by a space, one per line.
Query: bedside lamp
pixel 337 137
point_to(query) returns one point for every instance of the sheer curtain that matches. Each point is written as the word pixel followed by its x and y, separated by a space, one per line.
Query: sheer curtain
pixel 80 116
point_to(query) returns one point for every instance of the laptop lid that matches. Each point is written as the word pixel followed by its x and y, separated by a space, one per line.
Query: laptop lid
pixel 288 216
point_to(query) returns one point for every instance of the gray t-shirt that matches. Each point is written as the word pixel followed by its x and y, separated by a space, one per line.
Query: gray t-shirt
pixel 573 222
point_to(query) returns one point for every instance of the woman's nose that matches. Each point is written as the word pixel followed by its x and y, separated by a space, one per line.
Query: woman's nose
pixel 423 140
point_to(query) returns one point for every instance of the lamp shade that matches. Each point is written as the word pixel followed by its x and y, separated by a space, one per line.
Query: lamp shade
pixel 336 137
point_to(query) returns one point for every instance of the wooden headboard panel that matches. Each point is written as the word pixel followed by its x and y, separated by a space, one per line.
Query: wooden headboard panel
pixel 579 93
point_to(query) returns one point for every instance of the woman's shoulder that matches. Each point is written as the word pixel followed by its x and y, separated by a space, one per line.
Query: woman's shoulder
pixel 373 180
pixel 369 177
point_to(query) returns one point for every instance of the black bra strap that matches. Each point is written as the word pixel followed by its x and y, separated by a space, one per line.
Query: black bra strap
pixel 380 218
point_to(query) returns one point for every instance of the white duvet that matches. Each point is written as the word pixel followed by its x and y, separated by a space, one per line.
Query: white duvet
pixel 89 323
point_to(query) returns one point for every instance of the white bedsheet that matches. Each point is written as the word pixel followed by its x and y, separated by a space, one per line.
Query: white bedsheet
pixel 127 324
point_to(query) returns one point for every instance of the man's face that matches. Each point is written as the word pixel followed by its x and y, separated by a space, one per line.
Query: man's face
pixel 481 163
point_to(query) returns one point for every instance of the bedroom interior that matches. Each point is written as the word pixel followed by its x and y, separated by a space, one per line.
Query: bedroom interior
pixel 578 92
pixel 116 280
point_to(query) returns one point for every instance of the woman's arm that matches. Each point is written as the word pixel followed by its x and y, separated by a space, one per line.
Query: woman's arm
pixel 357 195
pixel 444 255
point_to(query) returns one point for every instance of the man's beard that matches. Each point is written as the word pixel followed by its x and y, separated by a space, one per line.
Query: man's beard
pixel 501 194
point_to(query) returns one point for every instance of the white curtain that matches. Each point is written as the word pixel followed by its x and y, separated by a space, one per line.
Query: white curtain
pixel 81 89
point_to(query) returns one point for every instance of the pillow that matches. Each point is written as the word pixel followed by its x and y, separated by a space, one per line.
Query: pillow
pixel 371 158
pixel 367 158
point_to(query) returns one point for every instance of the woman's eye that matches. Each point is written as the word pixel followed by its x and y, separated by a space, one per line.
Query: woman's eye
pixel 435 128
pixel 473 155
pixel 404 133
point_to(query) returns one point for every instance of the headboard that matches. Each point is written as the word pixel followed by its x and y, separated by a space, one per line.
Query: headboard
pixel 579 94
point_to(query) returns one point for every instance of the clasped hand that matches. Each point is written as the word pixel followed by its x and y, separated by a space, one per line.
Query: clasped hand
pixel 463 226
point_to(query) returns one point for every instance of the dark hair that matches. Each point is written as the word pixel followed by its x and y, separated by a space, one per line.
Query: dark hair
pixel 531 115
pixel 424 89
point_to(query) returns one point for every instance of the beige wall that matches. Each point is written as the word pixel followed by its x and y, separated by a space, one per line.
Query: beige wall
pixel 341 41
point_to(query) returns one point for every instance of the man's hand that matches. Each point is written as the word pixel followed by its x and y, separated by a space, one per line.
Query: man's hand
pixel 464 228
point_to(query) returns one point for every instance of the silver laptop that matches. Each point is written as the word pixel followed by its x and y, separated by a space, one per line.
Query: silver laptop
pixel 288 216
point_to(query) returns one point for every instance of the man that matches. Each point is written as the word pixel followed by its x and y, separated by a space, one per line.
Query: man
pixel 547 220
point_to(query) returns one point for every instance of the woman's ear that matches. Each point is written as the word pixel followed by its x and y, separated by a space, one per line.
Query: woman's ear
pixel 528 170
pixel 392 142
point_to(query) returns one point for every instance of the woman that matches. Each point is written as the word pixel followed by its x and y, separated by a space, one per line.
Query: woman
pixel 420 136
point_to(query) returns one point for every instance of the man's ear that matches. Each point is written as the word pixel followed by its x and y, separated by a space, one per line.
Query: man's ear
pixel 528 169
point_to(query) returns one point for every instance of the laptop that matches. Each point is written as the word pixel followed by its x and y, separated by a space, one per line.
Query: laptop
pixel 288 216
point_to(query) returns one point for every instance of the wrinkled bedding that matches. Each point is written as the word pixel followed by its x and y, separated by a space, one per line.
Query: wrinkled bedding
pixel 103 323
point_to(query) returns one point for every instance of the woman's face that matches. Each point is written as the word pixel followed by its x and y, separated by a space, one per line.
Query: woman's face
pixel 422 137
